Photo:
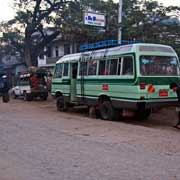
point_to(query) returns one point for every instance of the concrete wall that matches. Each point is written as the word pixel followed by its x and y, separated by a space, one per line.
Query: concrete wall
pixel 46 61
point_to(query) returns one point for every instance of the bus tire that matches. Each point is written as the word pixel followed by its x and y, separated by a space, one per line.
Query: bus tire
pixel 106 111
pixel 61 104
pixel 143 115
pixel 5 97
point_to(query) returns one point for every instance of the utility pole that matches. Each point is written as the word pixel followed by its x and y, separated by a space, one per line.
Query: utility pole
pixel 120 21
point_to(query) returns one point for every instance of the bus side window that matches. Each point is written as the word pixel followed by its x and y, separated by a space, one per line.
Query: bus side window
pixel 92 67
pixel 58 71
pixel 113 66
pixel 127 65
pixel 102 65
pixel 66 69
pixel 74 70
pixel 119 66
pixel 83 69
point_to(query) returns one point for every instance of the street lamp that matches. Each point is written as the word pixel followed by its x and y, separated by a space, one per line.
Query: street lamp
pixel 120 21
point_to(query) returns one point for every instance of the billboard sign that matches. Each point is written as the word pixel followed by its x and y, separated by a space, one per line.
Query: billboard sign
pixel 94 19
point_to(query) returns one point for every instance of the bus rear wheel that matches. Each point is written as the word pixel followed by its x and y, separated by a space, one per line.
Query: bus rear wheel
pixel 107 112
pixel 61 104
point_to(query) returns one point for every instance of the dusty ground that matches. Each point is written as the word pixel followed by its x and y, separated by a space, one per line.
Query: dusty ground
pixel 39 143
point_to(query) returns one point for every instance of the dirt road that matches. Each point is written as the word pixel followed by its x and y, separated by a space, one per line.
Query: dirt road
pixel 39 143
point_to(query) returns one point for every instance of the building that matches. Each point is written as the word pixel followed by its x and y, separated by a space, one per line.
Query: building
pixel 55 50
pixel 12 64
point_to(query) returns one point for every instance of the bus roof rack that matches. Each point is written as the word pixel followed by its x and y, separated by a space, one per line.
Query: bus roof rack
pixel 105 44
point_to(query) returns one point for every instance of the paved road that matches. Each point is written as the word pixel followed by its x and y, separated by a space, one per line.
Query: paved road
pixel 39 143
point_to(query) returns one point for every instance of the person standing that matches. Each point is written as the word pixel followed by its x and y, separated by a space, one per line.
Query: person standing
pixel 176 88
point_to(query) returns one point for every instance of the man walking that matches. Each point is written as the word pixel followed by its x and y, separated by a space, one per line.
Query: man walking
pixel 176 88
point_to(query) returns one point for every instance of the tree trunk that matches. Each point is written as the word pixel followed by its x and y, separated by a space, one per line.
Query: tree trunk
pixel 28 56
pixel 28 48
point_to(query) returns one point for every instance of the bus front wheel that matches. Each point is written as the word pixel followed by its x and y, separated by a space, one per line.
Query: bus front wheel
pixel 107 112
pixel 61 104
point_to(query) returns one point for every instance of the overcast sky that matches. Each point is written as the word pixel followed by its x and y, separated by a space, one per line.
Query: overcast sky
pixel 6 10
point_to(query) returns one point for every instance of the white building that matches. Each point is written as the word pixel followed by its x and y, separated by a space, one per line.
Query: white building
pixel 54 51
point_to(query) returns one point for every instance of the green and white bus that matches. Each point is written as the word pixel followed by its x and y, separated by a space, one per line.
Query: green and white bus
pixel 132 77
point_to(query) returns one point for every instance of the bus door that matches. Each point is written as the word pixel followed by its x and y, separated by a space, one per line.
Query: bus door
pixel 73 86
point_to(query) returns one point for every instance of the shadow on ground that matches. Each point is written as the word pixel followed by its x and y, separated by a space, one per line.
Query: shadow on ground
pixel 166 117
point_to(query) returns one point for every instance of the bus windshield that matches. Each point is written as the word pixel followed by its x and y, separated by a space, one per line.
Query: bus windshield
pixel 159 65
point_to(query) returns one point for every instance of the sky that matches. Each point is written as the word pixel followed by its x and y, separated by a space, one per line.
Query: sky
pixel 7 12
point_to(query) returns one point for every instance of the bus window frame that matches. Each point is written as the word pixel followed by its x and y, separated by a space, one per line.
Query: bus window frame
pixel 63 70
pixel 178 63
pixel 116 66
pixel 58 64
pixel 79 68
pixel 88 62
pixel 98 70
pixel 108 62
pixel 120 61
pixel 122 65
pixel 117 76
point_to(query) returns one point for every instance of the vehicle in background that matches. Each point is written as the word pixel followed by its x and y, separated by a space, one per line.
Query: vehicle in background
pixel 133 77
pixel 4 87
pixel 31 85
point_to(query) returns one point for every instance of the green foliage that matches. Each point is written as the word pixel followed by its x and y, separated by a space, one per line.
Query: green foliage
pixel 74 29
pixel 143 20
pixel 32 17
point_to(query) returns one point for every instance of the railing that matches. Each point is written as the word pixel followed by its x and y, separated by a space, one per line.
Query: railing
pixel 105 44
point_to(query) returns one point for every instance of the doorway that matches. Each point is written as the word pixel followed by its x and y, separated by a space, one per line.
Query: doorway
pixel 73 88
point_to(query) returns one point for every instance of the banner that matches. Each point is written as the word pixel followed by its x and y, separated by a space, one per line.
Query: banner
pixel 94 19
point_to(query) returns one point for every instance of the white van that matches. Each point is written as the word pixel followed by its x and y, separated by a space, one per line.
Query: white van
pixel 24 88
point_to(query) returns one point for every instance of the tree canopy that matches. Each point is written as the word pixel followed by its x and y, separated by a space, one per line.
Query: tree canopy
pixel 149 21
pixel 26 32
pixel 38 22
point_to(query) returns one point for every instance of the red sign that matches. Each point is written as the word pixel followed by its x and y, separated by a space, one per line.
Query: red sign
pixel 163 93
pixel 105 87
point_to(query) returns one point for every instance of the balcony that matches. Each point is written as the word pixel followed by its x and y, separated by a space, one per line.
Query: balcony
pixel 52 60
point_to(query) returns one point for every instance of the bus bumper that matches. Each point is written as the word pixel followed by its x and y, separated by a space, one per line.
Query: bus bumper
pixel 134 105
pixel 161 104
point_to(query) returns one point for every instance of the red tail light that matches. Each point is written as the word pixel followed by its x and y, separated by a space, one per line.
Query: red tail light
pixel 142 85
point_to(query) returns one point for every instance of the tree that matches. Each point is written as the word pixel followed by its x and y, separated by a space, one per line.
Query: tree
pixel 143 20
pixel 74 29
pixel 26 32
pixel 27 35
pixel 149 21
